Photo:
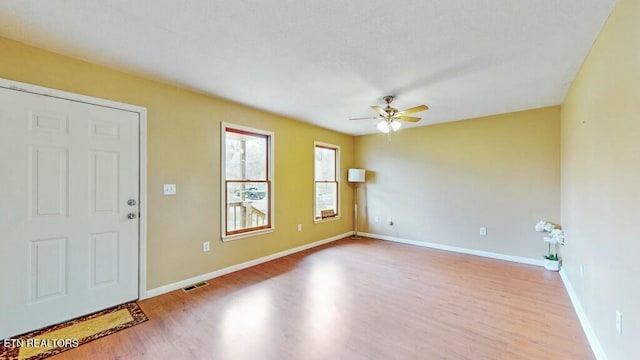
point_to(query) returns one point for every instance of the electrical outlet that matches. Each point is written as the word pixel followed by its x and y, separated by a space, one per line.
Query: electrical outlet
pixel 581 271
pixel 206 246
pixel 390 221
pixel 483 231
pixel 619 322
pixel 299 227
pixel 169 189
pixel 376 219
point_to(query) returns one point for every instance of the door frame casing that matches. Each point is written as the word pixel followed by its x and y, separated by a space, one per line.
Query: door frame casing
pixel 142 153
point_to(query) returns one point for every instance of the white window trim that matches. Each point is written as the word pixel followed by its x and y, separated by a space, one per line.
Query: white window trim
pixel 338 178
pixel 270 177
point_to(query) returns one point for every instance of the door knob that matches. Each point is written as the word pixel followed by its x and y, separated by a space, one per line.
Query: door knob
pixel 131 202
pixel 132 215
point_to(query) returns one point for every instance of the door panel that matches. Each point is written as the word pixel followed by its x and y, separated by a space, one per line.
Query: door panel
pixel 48 177
pixel 104 177
pixel 67 170
pixel 104 259
pixel 48 269
pixel 105 129
pixel 49 123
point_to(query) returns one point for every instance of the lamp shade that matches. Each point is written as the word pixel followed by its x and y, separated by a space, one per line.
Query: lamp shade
pixel 356 175
pixel 383 126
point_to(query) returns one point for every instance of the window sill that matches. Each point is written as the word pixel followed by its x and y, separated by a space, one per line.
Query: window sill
pixel 329 219
pixel 226 238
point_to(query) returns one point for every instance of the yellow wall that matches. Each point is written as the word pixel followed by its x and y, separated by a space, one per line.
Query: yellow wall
pixel 184 148
pixel 441 183
pixel 601 182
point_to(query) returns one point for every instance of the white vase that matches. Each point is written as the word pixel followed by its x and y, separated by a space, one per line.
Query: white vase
pixel 552 265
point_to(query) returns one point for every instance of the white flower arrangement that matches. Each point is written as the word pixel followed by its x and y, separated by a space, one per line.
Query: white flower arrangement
pixel 554 236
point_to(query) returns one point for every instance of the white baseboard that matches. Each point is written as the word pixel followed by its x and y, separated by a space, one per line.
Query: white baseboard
pixel 598 351
pixel 204 277
pixel 518 259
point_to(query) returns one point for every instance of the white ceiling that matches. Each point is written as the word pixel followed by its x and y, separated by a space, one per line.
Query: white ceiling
pixel 325 61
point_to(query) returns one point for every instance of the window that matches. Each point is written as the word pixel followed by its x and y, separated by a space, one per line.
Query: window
pixel 246 180
pixel 327 173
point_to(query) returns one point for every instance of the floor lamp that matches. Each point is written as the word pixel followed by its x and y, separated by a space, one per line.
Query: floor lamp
pixel 356 176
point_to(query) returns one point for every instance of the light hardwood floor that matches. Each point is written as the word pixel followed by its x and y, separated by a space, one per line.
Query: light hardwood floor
pixel 359 299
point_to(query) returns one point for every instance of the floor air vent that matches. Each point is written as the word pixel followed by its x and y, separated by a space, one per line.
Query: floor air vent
pixel 195 286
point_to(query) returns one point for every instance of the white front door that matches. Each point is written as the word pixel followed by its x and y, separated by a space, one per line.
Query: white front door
pixel 68 247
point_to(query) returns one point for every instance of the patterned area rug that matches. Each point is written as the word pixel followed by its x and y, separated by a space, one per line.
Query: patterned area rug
pixel 55 339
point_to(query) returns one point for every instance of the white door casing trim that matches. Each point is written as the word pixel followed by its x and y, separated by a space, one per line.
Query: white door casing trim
pixel 142 116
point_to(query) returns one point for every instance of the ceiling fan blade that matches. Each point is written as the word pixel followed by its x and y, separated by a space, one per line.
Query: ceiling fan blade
pixel 380 110
pixel 365 118
pixel 414 110
pixel 407 118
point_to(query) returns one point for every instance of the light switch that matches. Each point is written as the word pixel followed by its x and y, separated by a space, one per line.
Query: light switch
pixel 169 189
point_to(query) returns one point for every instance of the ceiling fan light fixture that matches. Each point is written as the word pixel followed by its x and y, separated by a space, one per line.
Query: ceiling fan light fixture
pixel 383 126
pixel 391 118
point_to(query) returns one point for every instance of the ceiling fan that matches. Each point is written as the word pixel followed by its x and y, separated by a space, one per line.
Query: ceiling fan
pixel 390 117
